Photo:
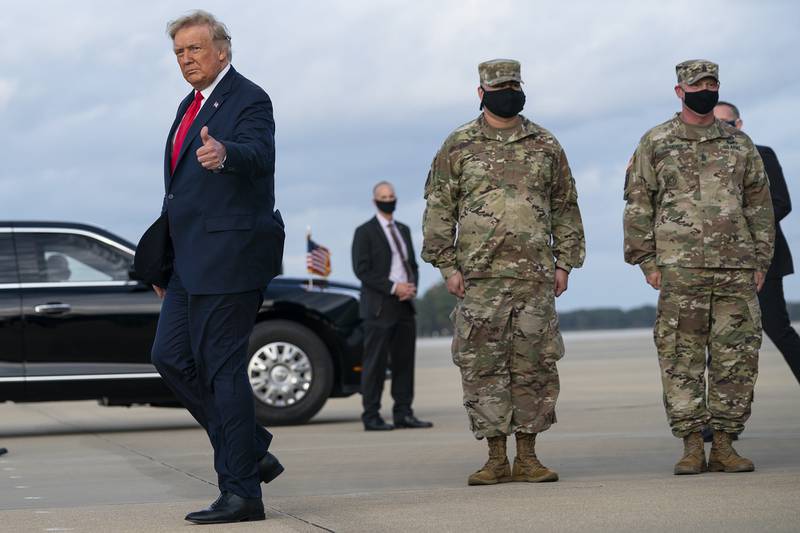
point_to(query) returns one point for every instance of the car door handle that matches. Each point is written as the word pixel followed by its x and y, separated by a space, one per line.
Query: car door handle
pixel 52 308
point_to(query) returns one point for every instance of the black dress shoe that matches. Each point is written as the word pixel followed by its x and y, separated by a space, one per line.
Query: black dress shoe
pixel 269 468
pixel 229 508
pixel 377 424
pixel 411 421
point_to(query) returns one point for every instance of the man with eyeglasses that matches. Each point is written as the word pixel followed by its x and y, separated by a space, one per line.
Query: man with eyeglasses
pixel 502 224
pixel 774 316
pixel 699 223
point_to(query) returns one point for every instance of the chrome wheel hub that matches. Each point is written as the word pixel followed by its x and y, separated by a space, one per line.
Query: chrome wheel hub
pixel 280 374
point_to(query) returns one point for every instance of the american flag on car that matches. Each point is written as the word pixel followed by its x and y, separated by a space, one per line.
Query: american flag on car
pixel 318 258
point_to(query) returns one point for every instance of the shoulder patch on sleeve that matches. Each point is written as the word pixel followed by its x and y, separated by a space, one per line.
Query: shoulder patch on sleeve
pixel 627 178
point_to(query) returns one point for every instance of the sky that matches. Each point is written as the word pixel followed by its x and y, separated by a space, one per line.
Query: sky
pixel 367 90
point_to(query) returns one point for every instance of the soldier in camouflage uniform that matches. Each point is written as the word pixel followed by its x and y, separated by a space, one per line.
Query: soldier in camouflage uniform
pixel 699 222
pixel 502 224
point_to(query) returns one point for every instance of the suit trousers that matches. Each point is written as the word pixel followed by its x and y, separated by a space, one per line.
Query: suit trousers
pixel 777 325
pixel 200 350
pixel 389 340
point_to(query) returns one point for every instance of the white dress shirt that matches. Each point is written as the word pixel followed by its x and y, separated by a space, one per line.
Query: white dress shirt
pixel 397 273
pixel 210 89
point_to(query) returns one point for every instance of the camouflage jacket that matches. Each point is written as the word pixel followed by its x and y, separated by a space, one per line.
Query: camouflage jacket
pixel 511 196
pixel 697 197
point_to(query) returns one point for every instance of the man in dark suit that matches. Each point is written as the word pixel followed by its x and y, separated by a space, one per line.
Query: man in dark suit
pixel 383 259
pixel 774 317
pixel 227 244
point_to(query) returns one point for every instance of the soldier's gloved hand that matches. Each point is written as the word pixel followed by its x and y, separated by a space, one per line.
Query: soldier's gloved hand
pixel 455 284
pixel 654 280
pixel 759 278
pixel 562 280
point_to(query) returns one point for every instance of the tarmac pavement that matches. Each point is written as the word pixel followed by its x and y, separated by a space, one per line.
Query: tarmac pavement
pixel 77 466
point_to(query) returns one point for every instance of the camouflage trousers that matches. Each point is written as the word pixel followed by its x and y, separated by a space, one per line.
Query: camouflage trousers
pixel 506 343
pixel 708 319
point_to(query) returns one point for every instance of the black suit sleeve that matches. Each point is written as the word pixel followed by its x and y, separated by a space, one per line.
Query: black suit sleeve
pixel 363 263
pixel 781 203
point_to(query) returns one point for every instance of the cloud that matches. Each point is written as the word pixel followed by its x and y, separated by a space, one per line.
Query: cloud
pixel 368 90
pixel 7 90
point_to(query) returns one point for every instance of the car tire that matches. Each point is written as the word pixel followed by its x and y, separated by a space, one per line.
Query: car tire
pixel 291 372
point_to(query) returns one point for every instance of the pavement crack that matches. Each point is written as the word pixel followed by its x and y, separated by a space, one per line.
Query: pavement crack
pixel 310 523
pixel 168 465
pixel 125 447
pixel 153 459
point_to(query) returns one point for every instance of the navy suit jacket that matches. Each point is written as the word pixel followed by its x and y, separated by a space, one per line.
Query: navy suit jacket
pixel 225 234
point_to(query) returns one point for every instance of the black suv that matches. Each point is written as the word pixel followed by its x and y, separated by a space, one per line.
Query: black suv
pixel 74 325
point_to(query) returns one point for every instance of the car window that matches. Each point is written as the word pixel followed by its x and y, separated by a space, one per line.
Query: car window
pixel 69 258
pixel 8 261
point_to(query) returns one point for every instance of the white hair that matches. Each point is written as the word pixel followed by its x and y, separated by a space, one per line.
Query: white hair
pixel 218 30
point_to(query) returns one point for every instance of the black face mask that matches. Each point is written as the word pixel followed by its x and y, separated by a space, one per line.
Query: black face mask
pixel 701 102
pixel 504 103
pixel 386 207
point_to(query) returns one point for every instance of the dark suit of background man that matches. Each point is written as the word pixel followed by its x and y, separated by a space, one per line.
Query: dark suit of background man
pixel 383 259
pixel 219 178
pixel 774 316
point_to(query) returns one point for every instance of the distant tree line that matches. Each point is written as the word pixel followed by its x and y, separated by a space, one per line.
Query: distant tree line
pixel 433 312
pixel 434 307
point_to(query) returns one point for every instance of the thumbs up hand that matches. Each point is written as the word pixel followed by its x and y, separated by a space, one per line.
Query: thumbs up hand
pixel 212 154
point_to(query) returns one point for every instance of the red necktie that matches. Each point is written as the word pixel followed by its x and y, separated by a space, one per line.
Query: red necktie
pixel 186 122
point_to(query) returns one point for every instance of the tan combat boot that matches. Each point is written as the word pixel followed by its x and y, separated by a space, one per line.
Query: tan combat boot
pixel 496 470
pixel 694 455
pixel 526 465
pixel 723 458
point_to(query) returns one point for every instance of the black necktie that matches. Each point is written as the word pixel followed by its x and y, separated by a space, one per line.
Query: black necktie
pixel 396 239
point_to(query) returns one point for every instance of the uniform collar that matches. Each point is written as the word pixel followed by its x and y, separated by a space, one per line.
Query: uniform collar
pixel 525 128
pixel 698 133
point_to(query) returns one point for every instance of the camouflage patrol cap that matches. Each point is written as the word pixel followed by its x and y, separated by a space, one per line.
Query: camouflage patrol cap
pixel 499 71
pixel 691 71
